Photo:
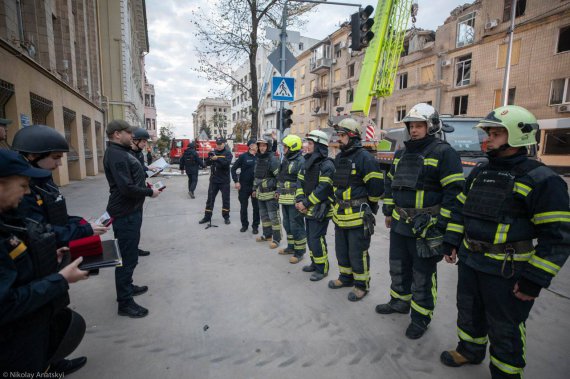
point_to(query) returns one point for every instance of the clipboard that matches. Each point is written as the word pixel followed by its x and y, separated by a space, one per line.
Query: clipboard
pixel 111 257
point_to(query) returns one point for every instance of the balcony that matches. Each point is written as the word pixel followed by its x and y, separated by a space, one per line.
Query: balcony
pixel 319 111
pixel 320 92
pixel 320 65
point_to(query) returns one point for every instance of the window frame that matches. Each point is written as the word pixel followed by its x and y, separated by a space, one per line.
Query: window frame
pixel 460 97
pixel 463 62
pixel 400 76
pixel 565 92
pixel 400 114
pixel 558 40
pixel 465 20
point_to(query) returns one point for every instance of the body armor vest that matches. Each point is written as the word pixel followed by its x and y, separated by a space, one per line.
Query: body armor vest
pixel 261 168
pixel 312 177
pixel 53 205
pixel 284 175
pixel 410 171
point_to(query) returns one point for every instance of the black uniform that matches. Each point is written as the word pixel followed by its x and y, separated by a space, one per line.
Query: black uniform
pixel 421 186
pixel 34 317
pixel 191 163
pixel 506 204
pixel 358 181
pixel 127 186
pixel 219 181
pixel 246 164
pixel 315 191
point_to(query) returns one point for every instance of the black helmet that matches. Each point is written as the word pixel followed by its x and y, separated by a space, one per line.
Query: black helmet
pixel 140 134
pixel 39 139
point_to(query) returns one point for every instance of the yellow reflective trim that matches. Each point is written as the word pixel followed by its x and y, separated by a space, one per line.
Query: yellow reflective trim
pixel 461 197
pixel 345 270
pixel 501 233
pixel 523 189
pixel 347 224
pixel 373 174
pixel 395 214
pixel 346 194
pixel 466 337
pixel 390 176
pixel 374 199
pixel 325 179
pixel 430 162
pixel 18 250
pixel 388 201
pixel 544 265
pixel 419 199
pixel 422 310
pixel 300 176
pixel 353 172
pixel 299 192
pixel 396 160
pixel 396 295
pixel 546 217
pixel 434 289
pixel 445 212
pixel 455 228
pixel 504 367
pixel 522 329
pixel 451 178
pixel 313 199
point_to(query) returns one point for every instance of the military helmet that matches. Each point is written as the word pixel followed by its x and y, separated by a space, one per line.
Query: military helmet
pixel 293 142
pixel 349 126
pixel 426 113
pixel 140 134
pixel 39 139
pixel 318 136
pixel 267 140
pixel 519 122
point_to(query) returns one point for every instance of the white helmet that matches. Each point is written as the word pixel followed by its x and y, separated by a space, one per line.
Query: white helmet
pixel 424 112
pixel 318 136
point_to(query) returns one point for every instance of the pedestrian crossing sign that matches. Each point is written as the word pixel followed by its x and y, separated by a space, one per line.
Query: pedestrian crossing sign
pixel 282 88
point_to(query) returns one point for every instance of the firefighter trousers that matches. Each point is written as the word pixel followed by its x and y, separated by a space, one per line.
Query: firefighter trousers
pixel 270 219
pixel 294 225
pixel 487 307
pixel 244 194
pixel 316 240
pixel 352 255
pixel 414 279
pixel 213 190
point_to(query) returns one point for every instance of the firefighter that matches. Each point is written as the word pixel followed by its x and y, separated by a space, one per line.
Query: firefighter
pixel 244 184
pixel 293 221
pixel 314 198
pixel 219 161
pixel 44 147
pixel 190 163
pixel 421 185
pixel 264 186
pixel 359 185
pixel 511 233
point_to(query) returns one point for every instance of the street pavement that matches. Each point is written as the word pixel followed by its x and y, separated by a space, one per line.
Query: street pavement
pixel 224 306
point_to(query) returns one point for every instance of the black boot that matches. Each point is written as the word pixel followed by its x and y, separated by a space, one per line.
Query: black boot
pixel 393 306
pixel 144 253
pixel 131 309
pixel 243 229
pixel 316 276
pixel 204 220
pixel 254 230
pixel 309 268
pixel 415 331
pixel 139 290
pixel 227 221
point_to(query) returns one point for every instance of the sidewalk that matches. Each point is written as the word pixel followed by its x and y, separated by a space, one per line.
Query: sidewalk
pixel 223 306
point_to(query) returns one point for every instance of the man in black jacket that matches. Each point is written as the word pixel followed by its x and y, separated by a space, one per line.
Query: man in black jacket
pixel 190 163
pixel 128 191
pixel 219 161
pixel 244 184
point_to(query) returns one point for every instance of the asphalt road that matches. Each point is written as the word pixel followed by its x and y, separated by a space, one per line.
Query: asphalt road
pixel 224 306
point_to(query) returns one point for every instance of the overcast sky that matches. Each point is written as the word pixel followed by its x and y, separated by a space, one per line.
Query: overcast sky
pixel 171 57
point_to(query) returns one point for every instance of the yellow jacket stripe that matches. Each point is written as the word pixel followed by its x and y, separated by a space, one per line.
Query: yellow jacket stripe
pixel 545 265
pixel 451 178
pixel 546 217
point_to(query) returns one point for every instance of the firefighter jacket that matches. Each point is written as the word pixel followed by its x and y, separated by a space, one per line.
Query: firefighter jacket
pixel 315 184
pixel 265 176
pixel 46 204
pixel 506 205
pixel 127 181
pixel 357 180
pixel 190 161
pixel 246 164
pixel 427 174
pixel 220 167
pixel 287 179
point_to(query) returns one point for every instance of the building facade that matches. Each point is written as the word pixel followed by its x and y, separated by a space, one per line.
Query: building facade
pixel 50 75
pixel 213 115
pixel 150 109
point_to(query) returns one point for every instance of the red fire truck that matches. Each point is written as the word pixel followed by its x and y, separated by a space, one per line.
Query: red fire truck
pixel 177 147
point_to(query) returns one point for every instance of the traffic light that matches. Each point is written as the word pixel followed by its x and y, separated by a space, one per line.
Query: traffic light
pixel 361 25
pixel 287 121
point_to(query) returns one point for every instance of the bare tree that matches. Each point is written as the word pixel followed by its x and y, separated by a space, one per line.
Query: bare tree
pixel 229 32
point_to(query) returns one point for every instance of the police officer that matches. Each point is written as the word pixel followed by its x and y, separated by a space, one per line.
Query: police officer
pixel 219 161
pixel 128 190
pixel 44 148
pixel 293 221
pixel 244 184
pixel 421 186
pixel 37 330
pixel 314 198
pixel 507 204
pixel 264 186
pixel 191 163
pixel 4 133
pixel 359 185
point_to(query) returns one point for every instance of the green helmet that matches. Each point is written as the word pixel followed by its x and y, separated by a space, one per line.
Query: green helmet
pixel 293 142
pixel 349 126
pixel 318 136
pixel 519 122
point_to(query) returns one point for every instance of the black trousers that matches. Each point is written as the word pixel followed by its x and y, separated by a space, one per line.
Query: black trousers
pixel 413 278
pixel 192 181
pixel 316 233
pixel 487 307
pixel 244 194
pixel 213 190
pixel 352 255
pixel 127 230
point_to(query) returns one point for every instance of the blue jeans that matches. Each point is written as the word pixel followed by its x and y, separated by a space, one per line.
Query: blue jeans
pixel 127 230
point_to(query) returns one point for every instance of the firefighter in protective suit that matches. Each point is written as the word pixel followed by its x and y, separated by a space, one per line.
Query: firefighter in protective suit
pixel 421 186
pixel 293 221
pixel 264 186
pixel 219 161
pixel 358 186
pixel 314 199
pixel 511 233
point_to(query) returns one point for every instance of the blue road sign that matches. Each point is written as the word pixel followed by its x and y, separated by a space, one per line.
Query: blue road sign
pixel 282 88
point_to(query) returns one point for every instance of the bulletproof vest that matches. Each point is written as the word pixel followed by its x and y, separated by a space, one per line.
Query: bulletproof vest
pixel 262 168
pixel 343 177
pixel 410 172
pixel 284 175
pixel 312 177
pixel 491 196
pixel 53 205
